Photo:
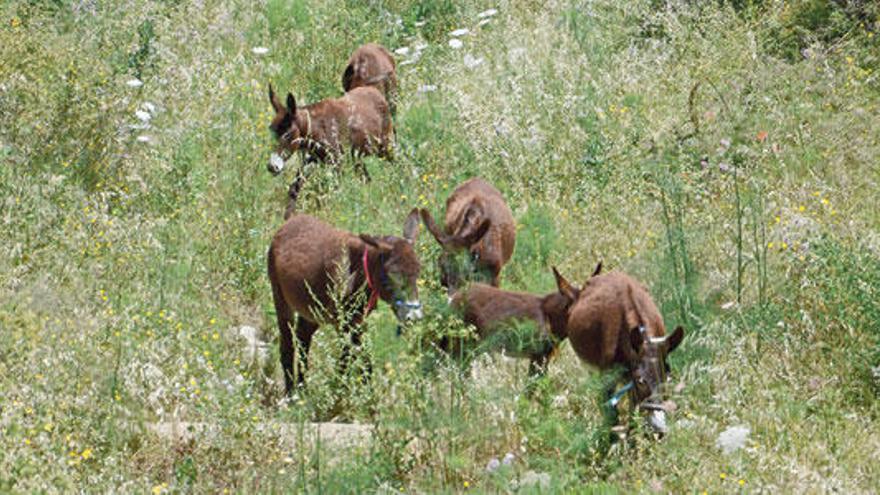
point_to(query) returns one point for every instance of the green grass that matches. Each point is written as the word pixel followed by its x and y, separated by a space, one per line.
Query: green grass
pixel 746 205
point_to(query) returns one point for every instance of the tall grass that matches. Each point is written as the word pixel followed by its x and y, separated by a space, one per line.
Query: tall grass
pixel 724 154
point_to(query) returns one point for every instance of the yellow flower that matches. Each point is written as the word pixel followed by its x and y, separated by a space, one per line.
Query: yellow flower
pixel 742 482
pixel 86 454
pixel 802 208
pixel 48 426
pixel 212 321
pixel 466 484
pixel 216 336
pixel 770 245
pixel 722 476
pixel 784 245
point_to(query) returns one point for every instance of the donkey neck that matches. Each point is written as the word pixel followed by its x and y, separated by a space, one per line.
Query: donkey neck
pixel 365 272
pixel 304 121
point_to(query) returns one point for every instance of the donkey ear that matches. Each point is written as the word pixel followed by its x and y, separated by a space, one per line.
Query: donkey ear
pixel 347 76
pixel 596 272
pixel 375 242
pixel 273 99
pixel 471 235
pixel 432 227
pixel 564 287
pixel 411 226
pixel 291 103
pixel 637 338
pixel 672 341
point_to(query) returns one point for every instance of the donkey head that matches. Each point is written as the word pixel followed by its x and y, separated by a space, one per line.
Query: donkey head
pixel 397 270
pixel 648 369
pixel 557 304
pixel 460 260
pixel 286 129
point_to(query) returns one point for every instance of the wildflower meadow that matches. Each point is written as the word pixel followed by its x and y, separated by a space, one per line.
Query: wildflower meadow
pixel 726 154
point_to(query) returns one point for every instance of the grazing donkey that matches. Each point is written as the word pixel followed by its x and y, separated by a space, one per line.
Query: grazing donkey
pixel 305 259
pixel 479 238
pixel 359 119
pixel 372 65
pixel 524 325
pixel 614 321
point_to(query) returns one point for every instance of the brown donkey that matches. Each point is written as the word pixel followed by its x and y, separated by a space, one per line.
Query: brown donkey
pixel 305 260
pixel 372 65
pixel 615 322
pixel 524 325
pixel 479 238
pixel 359 120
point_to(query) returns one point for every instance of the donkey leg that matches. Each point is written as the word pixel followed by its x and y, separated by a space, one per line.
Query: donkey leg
pixel 611 414
pixel 360 164
pixel 283 315
pixel 538 365
pixel 305 329
pixel 293 194
pixel 353 346
pixel 285 342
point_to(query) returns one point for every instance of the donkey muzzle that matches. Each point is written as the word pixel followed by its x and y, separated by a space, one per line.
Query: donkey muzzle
pixel 409 310
pixel 276 164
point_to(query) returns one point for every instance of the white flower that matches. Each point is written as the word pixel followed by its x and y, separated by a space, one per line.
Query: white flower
pixel 493 464
pixel 470 61
pixel 134 83
pixel 143 138
pixel 487 13
pixel 420 23
pixel 260 50
pixel 421 45
pixel 402 50
pixel 143 116
pixel 456 43
pixel 483 22
pixel 427 88
pixel 459 32
pixel 149 107
pixel 732 438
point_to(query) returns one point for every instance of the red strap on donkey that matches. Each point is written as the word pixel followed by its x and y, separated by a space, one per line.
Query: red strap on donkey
pixel 374 294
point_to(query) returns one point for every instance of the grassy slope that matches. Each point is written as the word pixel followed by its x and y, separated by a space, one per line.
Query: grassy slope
pixel 127 267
